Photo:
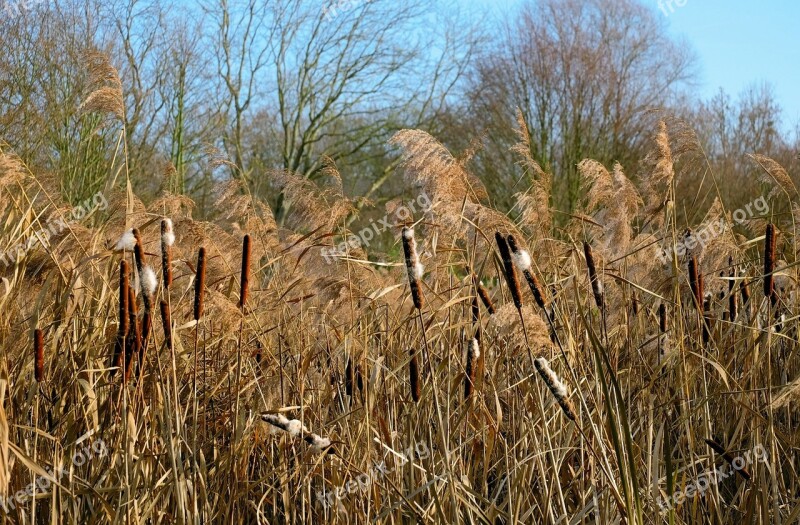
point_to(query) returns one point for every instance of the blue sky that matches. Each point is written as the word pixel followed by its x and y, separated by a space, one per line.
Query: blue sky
pixel 737 42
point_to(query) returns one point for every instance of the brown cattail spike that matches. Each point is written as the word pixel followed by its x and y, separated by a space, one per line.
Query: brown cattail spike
pixel 694 284
pixel 597 285
pixel 134 340
pixel 556 387
pixel 413 373
pixel 166 323
pixel 167 239
pixel 246 253
pixel 138 251
pixel 733 297
pixel 124 317
pixel 38 353
pixel 769 263
pixel 508 269
pixel 483 293
pixel 662 318
pixel 414 267
pixel 471 366
pixel 349 377
pixel 200 284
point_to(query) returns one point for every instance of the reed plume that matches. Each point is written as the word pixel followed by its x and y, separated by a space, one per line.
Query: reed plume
pixel 556 387
pixel 473 354
pixel 38 354
pixel 508 270
pixel 200 284
pixel 245 281
pixel 414 267
pixel 769 264
pixel 413 373
pixel 597 284
pixel 167 240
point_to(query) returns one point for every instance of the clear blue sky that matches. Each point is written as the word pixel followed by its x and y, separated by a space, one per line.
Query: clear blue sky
pixel 737 42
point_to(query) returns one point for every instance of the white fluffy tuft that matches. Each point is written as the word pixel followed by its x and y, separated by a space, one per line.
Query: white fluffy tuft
pixel 419 270
pixel 318 443
pixel 476 349
pixel 126 242
pixel 408 233
pixel 149 280
pixel 558 388
pixel 522 260
pixel 294 427
pixel 168 237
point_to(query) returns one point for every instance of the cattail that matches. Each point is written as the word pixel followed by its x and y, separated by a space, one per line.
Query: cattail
pixel 138 251
pixel 769 263
pixel 349 377
pixel 166 323
pixel 317 444
pixel 38 353
pixel 483 293
pixel 635 304
pixel 597 285
pixel 126 242
pixel 414 267
pixel 508 270
pixel 475 310
pixel 733 297
pixel 134 339
pixel 167 240
pixel 522 260
pixel 246 252
pixel 745 292
pixel 124 320
pixel 200 284
pixel 706 319
pixel 695 284
pixel 413 373
pixel 557 388
pixel 473 354
pixel 662 318
pixel 719 449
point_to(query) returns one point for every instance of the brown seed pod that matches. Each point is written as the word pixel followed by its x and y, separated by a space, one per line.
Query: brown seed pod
pixel 134 340
pixel 597 285
pixel 138 251
pixel 508 269
pixel 483 293
pixel 413 373
pixel 695 283
pixel 38 353
pixel 245 281
pixel 124 318
pixel 200 284
pixel 769 263
pixel 471 366
pixel 167 237
pixel 413 267
pixel 166 323
pixel 662 318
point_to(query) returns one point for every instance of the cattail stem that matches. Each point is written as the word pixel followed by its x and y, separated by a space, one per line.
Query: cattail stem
pixel 199 284
pixel 38 353
pixel 413 374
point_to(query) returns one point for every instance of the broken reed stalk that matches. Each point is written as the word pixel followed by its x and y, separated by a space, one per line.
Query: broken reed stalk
pixel 167 240
pixel 413 267
pixel 471 366
pixel 38 355
pixel 769 264
pixel 124 320
pixel 413 376
pixel 597 284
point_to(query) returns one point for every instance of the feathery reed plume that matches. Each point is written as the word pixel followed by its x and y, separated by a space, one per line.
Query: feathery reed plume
pixel 167 240
pixel 38 353
pixel 769 263
pixel 695 284
pixel 414 267
pixel 166 323
pixel 200 284
pixel 124 319
pixel 473 354
pixel 597 284
pixel 522 260
pixel 413 373
pixel 557 388
pixel 508 269
pixel 719 449
pixel 246 253
pixel 733 297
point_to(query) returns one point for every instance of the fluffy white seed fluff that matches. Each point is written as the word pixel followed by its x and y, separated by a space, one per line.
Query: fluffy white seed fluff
pixel 168 237
pixel 419 270
pixel 476 350
pixel 294 427
pixel 149 280
pixel 522 260
pixel 558 388
pixel 126 242
pixel 408 234
pixel 317 443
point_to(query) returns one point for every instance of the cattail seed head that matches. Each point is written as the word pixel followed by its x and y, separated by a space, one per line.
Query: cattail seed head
pixel 138 251
pixel 167 240
pixel 597 285
pixel 38 353
pixel 483 293
pixel 200 284
pixel 662 318
pixel 349 377
pixel 769 262
pixel 508 269
pixel 414 267
pixel 473 355
pixel 520 257
pixel 126 242
pixel 694 283
pixel 413 373
pixel 149 282
pixel 245 281
pixel 166 322
pixel 556 387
